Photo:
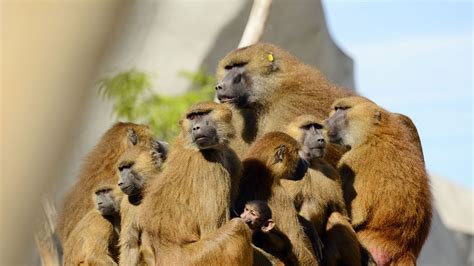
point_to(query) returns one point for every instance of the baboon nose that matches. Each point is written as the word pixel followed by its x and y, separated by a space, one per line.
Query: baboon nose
pixel 120 184
pixel 219 87
pixel 196 128
pixel 321 141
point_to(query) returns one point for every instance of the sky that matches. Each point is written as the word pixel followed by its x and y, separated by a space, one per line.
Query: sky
pixel 415 58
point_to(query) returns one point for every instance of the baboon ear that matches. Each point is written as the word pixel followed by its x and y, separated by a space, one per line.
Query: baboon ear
pixel 132 136
pixel 378 117
pixel 280 154
pixel 268 226
pixel 161 147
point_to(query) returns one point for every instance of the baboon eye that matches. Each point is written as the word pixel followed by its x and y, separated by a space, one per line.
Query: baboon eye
pixel 230 66
pixel 314 125
pixel 342 108
pixel 195 115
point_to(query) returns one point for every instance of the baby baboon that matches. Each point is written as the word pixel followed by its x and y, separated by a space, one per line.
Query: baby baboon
pixel 99 167
pixel 94 240
pixel 186 211
pixel 268 160
pixel 136 166
pixel 268 87
pixel 385 183
pixel 265 235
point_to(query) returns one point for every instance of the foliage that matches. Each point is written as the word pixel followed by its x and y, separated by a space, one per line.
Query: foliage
pixel 135 101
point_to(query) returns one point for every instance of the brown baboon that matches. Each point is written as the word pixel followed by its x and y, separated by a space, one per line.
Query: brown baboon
pixel 265 235
pixel 136 167
pixel 270 159
pixel 186 211
pixel 270 87
pixel 94 240
pixel 99 167
pixel 319 193
pixel 385 183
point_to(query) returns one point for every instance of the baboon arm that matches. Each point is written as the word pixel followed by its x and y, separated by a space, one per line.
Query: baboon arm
pixel 129 246
pixel 232 242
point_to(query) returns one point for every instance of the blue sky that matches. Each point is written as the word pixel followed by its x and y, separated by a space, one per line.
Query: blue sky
pixel 415 58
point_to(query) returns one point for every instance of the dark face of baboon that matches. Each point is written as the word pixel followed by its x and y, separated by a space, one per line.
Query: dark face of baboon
pixel 336 125
pixel 137 164
pixel 106 201
pixel 207 126
pixel 258 216
pixel 235 86
pixel 314 144
pixel 248 75
pixel 203 130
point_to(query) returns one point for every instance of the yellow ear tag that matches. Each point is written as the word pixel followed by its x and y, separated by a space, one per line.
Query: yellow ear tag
pixel 270 57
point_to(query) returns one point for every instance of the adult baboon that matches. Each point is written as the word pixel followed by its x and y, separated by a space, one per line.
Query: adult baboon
pixel 386 186
pixel 99 168
pixel 268 87
pixel 186 211
pixel 94 240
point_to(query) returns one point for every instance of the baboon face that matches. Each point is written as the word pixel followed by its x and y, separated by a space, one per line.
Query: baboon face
pixel 352 120
pixel 313 145
pixel 235 86
pixel 207 125
pixel 106 202
pixel 258 216
pixel 203 130
pixel 246 75
pixel 336 125
pixel 137 164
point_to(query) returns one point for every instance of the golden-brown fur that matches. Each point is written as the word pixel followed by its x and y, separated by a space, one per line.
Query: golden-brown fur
pixel 282 89
pixel 99 167
pixel 261 181
pixel 318 195
pixel 386 186
pixel 185 212
pixel 145 164
pixel 94 239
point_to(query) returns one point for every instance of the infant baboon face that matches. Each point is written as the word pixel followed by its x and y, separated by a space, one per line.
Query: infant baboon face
pixel 258 216
pixel 138 164
pixel 106 201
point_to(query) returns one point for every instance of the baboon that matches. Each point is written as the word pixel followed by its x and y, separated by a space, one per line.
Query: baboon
pixel 99 167
pixel 186 211
pixel 265 235
pixel 385 184
pixel 136 166
pixel 270 159
pixel 319 193
pixel 94 240
pixel 268 88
